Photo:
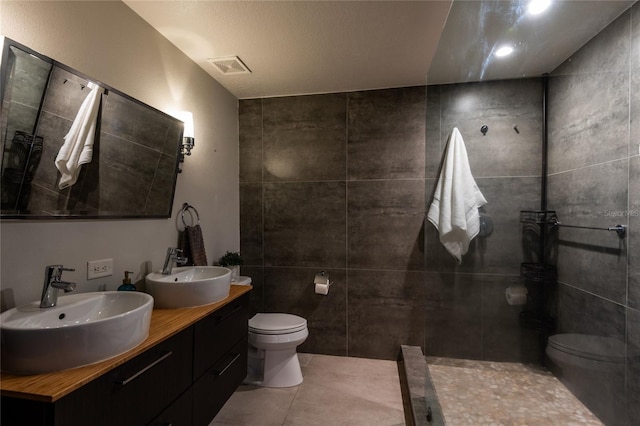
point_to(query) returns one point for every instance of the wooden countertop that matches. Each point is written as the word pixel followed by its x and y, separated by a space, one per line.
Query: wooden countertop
pixel 165 323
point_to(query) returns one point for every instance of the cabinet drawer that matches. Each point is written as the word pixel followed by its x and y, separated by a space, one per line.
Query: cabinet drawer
pixel 83 407
pixel 217 333
pixel 143 387
pixel 178 413
pixel 217 384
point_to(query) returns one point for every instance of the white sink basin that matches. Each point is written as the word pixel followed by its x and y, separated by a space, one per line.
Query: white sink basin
pixel 82 329
pixel 189 286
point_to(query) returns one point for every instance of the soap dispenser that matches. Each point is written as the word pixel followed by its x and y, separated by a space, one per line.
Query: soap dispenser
pixel 126 283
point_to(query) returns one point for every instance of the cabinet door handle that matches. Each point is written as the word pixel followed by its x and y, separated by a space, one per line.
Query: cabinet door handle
pixel 226 367
pixel 129 379
pixel 233 311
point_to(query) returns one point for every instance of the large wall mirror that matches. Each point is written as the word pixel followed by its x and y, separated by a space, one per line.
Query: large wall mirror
pixel 73 147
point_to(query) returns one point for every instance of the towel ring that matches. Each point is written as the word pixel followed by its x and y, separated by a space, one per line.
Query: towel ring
pixel 187 208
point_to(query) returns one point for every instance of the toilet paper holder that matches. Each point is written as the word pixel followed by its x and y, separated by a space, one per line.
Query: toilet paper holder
pixel 321 283
pixel 322 278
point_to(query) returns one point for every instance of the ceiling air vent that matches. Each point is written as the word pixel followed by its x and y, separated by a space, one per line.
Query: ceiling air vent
pixel 229 65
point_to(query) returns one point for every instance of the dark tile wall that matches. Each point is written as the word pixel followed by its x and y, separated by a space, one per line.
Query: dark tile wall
pixel 336 183
pixel 594 169
pixel 341 183
pixel 467 315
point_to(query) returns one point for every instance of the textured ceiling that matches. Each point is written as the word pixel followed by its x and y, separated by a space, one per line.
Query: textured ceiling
pixel 307 47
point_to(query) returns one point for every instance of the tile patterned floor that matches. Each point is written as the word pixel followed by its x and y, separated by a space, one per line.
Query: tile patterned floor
pixel 336 391
pixel 497 393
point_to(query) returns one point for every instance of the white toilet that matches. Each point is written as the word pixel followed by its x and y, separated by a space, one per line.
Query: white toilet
pixel 273 340
pixel 593 369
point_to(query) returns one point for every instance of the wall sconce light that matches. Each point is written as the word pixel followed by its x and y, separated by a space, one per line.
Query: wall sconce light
pixel 188 140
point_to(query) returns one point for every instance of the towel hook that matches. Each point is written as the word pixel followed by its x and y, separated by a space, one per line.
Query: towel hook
pixel 484 129
pixel 186 207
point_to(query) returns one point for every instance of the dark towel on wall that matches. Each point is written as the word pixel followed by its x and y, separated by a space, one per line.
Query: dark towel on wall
pixel 191 242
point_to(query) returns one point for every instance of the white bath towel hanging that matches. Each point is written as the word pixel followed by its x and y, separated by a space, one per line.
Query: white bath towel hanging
pixel 454 209
pixel 78 143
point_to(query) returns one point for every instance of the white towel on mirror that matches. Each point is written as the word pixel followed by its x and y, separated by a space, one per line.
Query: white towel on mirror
pixel 78 143
pixel 454 209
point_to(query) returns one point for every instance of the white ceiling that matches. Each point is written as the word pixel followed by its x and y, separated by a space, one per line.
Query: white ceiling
pixel 307 47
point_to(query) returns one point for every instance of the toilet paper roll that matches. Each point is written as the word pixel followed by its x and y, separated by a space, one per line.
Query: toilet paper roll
pixel 516 295
pixel 322 289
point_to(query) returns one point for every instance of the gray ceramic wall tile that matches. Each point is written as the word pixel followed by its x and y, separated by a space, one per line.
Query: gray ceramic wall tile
pixel 173 141
pixel 250 135
pixel 292 290
pixel 120 178
pixel 386 136
pixel 386 310
pixel 385 218
pixel 162 187
pixel 608 51
pixel 633 233
pixel 500 105
pixel 45 202
pixel 385 224
pixel 128 120
pixel 635 37
pixel 64 99
pixel 53 129
pixel 18 118
pixel 595 196
pixel 304 138
pixel 453 315
pixel 33 80
pixel 251 230
pixel 433 137
pixel 305 224
pixel 256 295
pixel 583 313
pixel 634 143
pixel 633 367
pixel 500 252
pixel 588 119
pixel 503 337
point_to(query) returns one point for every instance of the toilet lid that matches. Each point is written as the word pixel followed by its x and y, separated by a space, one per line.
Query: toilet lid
pixel 241 280
pixel 597 348
pixel 276 323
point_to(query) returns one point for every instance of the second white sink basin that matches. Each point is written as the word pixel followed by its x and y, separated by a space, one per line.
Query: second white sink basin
pixel 82 329
pixel 189 286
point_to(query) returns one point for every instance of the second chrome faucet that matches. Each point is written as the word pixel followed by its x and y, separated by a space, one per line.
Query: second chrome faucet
pixel 171 258
pixel 52 283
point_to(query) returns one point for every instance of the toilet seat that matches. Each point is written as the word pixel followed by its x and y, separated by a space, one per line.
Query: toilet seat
pixel 275 323
pixel 596 348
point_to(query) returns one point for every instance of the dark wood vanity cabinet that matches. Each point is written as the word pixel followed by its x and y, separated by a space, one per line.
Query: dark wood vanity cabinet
pixel 183 380
pixel 219 360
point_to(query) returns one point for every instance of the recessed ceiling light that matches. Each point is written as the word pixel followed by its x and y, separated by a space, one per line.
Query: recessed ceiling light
pixel 538 6
pixel 504 51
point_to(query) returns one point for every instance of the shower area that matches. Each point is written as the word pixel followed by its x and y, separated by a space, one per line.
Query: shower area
pixel 341 183
pixel 557 158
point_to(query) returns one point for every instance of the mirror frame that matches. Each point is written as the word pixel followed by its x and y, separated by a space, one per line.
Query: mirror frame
pixel 70 215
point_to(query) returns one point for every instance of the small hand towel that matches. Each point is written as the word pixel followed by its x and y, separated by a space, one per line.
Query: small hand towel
pixel 454 209
pixel 191 242
pixel 78 143
pixel 196 245
pixel 183 244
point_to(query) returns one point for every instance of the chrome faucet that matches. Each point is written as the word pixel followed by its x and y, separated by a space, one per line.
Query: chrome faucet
pixel 172 256
pixel 53 282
